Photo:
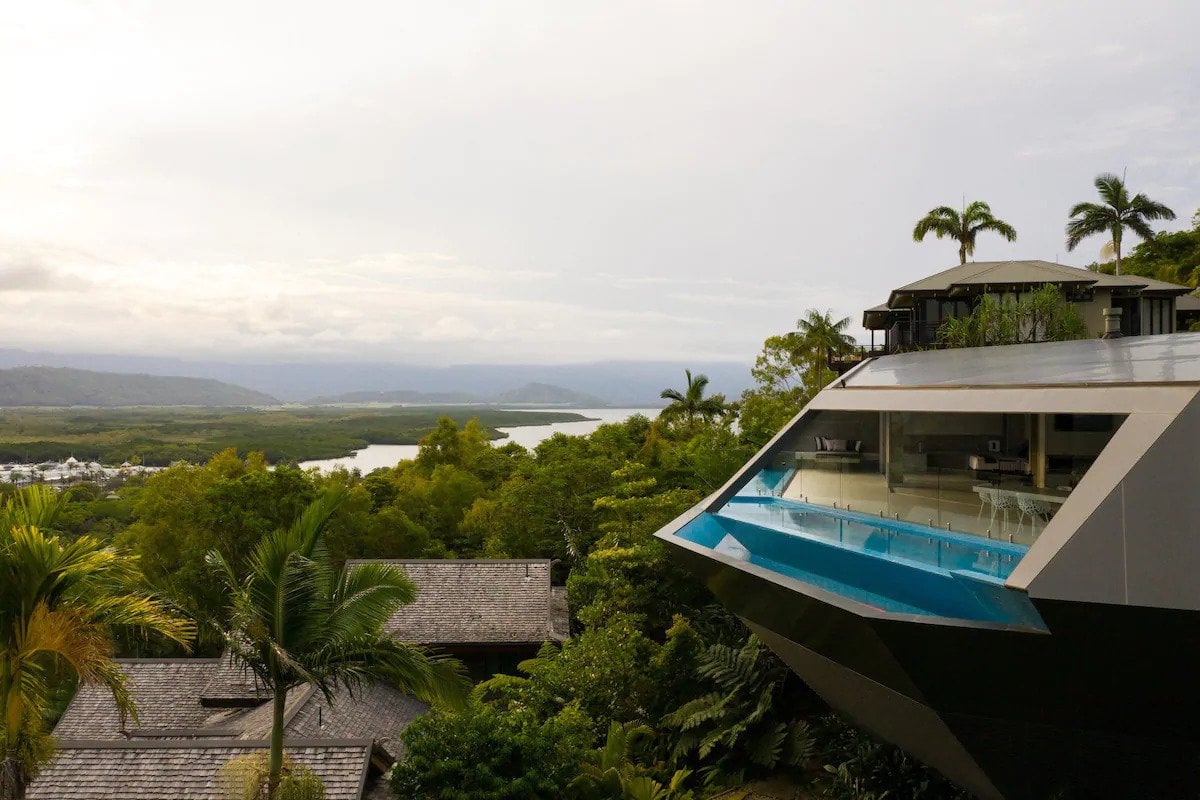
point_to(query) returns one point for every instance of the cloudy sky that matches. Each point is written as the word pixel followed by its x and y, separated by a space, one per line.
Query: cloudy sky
pixel 547 182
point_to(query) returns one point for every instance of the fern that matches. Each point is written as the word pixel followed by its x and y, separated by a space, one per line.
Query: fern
pixel 739 720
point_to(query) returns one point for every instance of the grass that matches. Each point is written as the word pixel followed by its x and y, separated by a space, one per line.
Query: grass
pixel 159 436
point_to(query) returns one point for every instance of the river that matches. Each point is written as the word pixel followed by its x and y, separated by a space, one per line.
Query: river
pixel 375 456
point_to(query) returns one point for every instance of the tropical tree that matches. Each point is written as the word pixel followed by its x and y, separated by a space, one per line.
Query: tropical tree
pixel 1116 212
pixel 297 618
pixel 946 223
pixel 746 719
pixel 691 403
pixel 824 336
pixel 613 772
pixel 59 603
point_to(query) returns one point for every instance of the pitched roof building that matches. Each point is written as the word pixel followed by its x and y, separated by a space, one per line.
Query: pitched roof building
pixel 911 316
pixel 464 603
pixel 191 770
pixel 194 714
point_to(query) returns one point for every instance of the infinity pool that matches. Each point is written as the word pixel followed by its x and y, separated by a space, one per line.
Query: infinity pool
pixel 888 565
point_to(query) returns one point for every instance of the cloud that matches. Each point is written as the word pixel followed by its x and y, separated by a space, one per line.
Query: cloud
pixel 448 182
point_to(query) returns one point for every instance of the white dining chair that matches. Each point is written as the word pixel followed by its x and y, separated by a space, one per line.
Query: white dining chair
pixel 1003 502
pixel 1033 508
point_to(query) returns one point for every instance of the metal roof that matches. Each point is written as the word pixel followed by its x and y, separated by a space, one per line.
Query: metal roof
pixel 980 273
pixel 1167 358
pixel 1187 302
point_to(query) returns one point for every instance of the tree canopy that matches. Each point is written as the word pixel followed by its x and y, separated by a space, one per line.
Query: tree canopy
pixel 1115 213
pixel 964 227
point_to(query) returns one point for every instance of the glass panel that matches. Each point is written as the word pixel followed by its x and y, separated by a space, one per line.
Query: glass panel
pixel 997 476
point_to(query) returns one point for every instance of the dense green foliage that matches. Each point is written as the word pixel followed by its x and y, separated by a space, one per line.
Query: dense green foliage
pixel 1167 256
pixel 158 437
pixel 658 693
pixel 61 386
pixel 1043 315
pixel 62 599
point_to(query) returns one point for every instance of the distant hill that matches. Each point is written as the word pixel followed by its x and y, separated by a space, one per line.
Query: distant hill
pixel 532 393
pixel 535 393
pixel 618 383
pixel 404 396
pixel 62 386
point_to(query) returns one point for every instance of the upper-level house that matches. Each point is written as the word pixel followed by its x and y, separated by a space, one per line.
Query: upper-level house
pixel 988 556
pixel 914 312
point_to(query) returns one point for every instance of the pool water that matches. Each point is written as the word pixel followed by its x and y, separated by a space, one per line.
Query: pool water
pixel 902 540
pixel 889 566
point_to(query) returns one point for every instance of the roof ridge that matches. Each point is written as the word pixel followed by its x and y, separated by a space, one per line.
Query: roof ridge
pixel 202 743
pixel 449 560
pixel 172 660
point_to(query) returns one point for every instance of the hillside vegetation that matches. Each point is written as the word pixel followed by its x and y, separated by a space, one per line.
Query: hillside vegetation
pixel 160 437
pixel 61 386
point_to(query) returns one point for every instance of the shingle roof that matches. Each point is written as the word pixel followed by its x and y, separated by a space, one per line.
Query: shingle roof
pixel 165 691
pixel 379 712
pixel 479 602
pixel 232 685
pixel 172 770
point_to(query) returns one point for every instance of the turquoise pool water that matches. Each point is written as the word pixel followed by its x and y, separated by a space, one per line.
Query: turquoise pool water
pixel 887 565
pixel 900 540
pixel 767 482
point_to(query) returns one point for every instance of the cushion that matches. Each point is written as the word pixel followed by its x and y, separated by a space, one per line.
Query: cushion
pixel 836 445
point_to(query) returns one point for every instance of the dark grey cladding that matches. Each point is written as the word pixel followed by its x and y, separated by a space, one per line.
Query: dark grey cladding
pixel 1090 691
pixel 1103 708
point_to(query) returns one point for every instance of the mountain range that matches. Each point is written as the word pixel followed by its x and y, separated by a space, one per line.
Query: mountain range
pixel 615 383
pixel 62 386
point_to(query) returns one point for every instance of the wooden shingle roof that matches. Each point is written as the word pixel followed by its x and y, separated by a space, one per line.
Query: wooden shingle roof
pixel 167 693
pixel 479 602
pixel 173 770
pixel 378 712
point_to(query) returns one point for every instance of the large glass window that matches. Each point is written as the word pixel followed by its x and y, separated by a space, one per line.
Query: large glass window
pixel 1001 476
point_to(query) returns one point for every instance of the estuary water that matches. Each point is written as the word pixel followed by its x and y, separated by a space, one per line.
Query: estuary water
pixel 387 455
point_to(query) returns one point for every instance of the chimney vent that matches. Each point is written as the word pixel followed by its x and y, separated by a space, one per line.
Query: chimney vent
pixel 1112 324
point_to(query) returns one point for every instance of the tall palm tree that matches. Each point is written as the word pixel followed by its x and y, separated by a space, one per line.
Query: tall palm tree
pixel 944 222
pixel 691 402
pixel 298 618
pixel 59 601
pixel 824 336
pixel 1117 212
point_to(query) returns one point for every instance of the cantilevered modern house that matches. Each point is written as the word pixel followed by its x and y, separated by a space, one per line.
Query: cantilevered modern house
pixel 913 313
pixel 989 557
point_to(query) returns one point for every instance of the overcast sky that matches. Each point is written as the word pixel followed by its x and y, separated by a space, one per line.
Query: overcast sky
pixel 557 181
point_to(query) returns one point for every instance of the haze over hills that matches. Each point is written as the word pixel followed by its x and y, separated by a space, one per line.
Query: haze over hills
pixel 542 394
pixel 63 386
pixel 616 383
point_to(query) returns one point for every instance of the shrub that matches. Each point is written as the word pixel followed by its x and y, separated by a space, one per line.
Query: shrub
pixel 484 754
pixel 245 778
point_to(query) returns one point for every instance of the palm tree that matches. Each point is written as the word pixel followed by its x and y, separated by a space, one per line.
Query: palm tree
pixel 945 222
pixel 59 603
pixel 297 618
pixel 1117 212
pixel 691 402
pixel 825 337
